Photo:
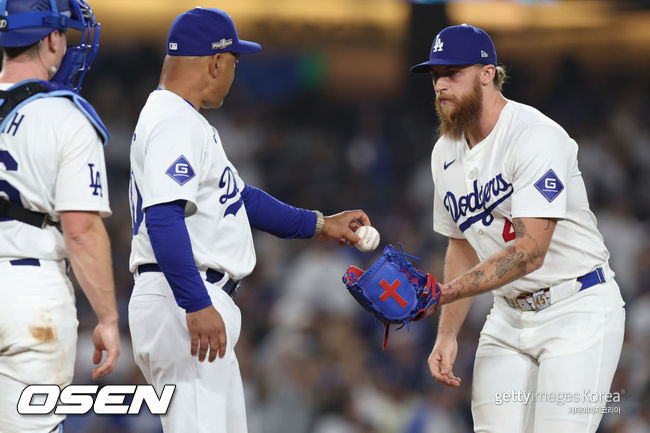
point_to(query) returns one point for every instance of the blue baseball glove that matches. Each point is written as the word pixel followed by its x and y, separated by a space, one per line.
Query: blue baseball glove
pixel 392 289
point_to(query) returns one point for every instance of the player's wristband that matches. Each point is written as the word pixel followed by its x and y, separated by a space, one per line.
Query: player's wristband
pixel 320 223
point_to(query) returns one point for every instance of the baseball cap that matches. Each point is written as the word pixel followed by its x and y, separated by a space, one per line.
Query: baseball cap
pixel 25 22
pixel 459 45
pixel 204 32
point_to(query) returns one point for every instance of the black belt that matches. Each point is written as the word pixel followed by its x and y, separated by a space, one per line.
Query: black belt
pixel 13 211
pixel 212 276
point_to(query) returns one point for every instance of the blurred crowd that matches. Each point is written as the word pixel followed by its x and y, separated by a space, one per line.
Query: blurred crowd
pixel 310 357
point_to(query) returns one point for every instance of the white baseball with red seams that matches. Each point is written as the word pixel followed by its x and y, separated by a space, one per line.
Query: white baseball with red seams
pixel 369 238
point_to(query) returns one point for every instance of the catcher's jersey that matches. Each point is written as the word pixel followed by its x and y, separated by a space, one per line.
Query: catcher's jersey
pixel 177 155
pixel 526 167
pixel 51 160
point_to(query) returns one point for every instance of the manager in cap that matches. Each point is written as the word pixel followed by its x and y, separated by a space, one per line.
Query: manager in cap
pixel 192 241
pixel 511 199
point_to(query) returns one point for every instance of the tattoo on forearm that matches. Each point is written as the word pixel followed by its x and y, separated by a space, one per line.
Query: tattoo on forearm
pixel 510 264
pixel 461 287
pixel 507 263
pixel 477 276
pixel 520 227
pixel 452 292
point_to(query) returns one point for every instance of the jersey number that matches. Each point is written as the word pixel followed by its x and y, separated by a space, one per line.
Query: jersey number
pixel 509 233
pixel 135 199
pixel 10 165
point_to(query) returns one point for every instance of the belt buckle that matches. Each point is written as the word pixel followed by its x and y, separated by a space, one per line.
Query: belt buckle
pixel 521 302
pixel 535 301
pixel 541 299
pixel 601 275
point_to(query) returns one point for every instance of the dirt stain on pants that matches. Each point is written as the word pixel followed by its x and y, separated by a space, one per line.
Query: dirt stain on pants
pixel 43 329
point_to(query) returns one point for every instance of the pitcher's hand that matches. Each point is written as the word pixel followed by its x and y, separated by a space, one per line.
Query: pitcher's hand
pixel 442 360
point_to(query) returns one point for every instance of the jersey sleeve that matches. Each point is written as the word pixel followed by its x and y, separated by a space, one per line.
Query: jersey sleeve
pixel 172 159
pixel 81 183
pixel 269 214
pixel 540 168
pixel 443 223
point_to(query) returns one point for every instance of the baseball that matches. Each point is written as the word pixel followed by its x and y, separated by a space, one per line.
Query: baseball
pixel 369 238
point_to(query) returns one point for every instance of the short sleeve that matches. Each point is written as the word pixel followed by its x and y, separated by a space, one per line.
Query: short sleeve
pixel 171 162
pixel 442 221
pixel 81 183
pixel 540 168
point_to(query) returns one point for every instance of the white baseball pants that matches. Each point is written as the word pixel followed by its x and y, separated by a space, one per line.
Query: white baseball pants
pixel 38 338
pixel 550 370
pixel 209 396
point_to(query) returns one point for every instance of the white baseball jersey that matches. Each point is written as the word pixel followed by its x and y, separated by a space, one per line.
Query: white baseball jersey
pixel 51 160
pixel 177 155
pixel 526 167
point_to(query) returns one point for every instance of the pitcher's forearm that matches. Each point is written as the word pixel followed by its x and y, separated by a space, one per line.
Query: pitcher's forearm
pixel 460 257
pixel 524 256
pixel 452 317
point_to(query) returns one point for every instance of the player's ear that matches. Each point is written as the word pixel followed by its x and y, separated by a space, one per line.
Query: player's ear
pixel 53 40
pixel 487 74
pixel 49 42
pixel 214 65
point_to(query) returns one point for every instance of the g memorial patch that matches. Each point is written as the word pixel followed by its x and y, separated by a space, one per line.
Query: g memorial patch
pixel 181 171
pixel 549 186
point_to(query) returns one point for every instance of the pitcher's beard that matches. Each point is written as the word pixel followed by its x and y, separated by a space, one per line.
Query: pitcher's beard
pixel 463 116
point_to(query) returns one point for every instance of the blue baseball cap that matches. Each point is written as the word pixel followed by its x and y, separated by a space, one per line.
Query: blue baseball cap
pixel 459 45
pixel 25 22
pixel 204 32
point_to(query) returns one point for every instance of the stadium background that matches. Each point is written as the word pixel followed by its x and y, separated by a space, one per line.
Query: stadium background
pixel 328 117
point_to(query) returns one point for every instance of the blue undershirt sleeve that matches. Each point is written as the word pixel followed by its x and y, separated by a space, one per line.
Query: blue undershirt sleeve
pixel 173 251
pixel 273 216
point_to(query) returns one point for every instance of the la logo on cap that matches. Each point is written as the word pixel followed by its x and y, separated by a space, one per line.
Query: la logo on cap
pixel 438 44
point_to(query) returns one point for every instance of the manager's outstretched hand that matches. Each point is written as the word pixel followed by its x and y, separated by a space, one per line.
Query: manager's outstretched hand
pixel 341 227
